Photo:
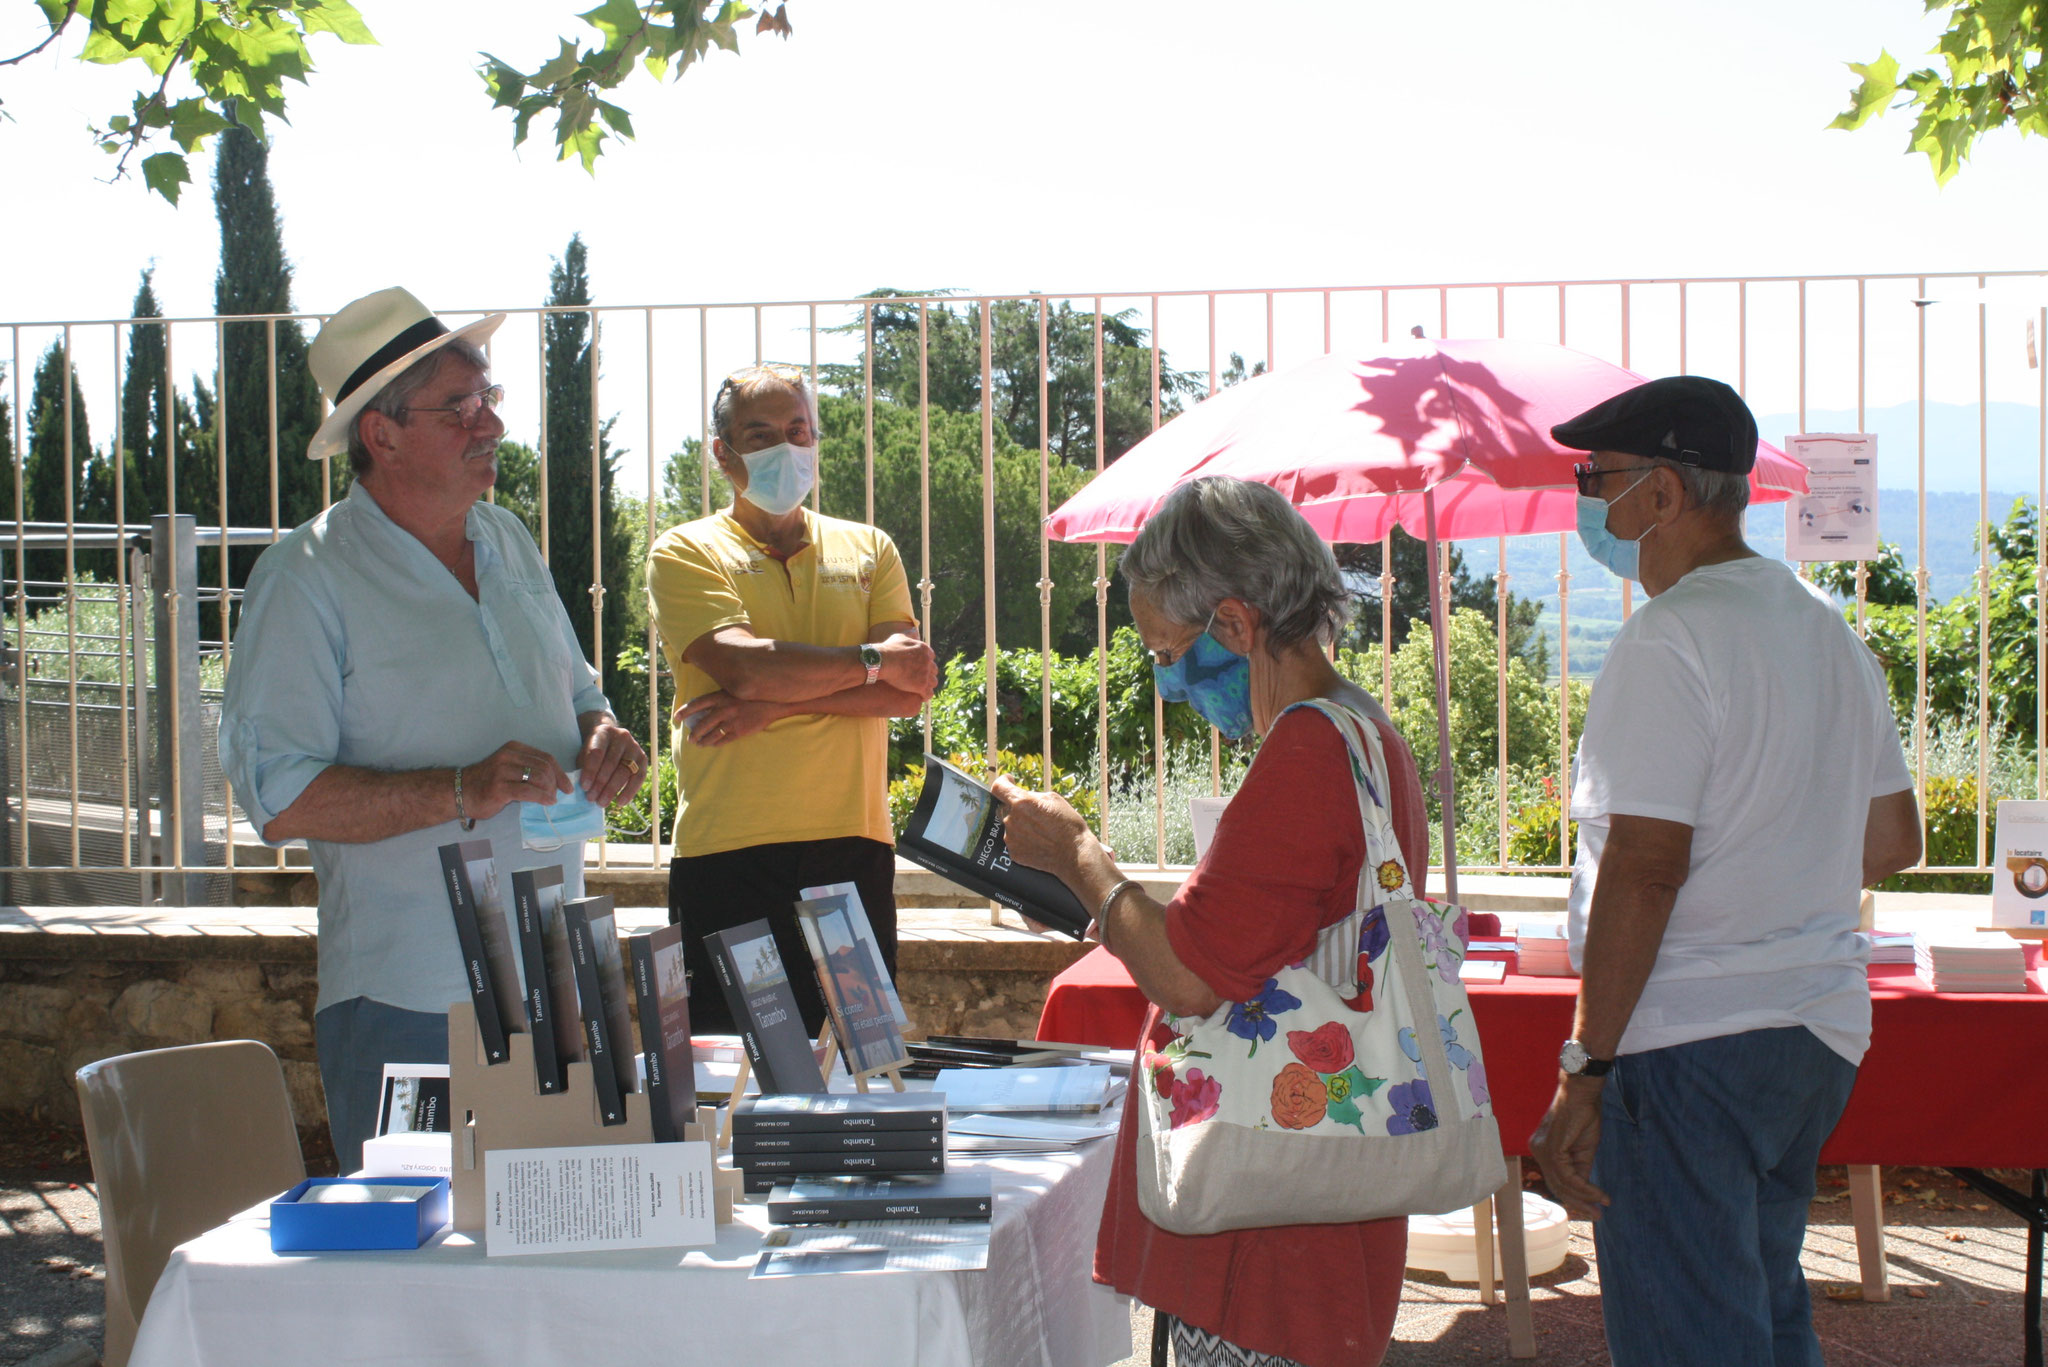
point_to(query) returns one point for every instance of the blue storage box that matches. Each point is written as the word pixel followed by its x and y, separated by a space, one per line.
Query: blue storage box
pixel 298 1226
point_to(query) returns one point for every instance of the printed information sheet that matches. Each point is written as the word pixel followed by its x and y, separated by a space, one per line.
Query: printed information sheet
pixel 597 1197
pixel 1836 518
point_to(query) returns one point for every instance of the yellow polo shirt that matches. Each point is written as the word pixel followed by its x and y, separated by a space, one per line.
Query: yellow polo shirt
pixel 807 777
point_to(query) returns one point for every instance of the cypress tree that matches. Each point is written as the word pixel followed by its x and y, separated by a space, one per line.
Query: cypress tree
pixel 49 466
pixel 255 277
pixel 569 339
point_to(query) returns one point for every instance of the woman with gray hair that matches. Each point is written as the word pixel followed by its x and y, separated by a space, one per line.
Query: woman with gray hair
pixel 1236 598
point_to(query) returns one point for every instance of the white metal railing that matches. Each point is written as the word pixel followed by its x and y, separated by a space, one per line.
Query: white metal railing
pixel 1791 343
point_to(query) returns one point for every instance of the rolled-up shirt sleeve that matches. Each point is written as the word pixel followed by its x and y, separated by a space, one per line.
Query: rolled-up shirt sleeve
pixel 281 723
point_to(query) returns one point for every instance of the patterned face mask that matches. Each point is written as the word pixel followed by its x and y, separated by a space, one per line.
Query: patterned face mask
pixel 1212 679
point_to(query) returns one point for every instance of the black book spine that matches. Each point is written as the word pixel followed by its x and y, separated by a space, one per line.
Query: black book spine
pixel 648 1002
pixel 470 936
pixel 819 1164
pixel 910 1207
pixel 547 1064
pixel 736 1001
pixel 861 1122
pixel 852 1141
pixel 596 1033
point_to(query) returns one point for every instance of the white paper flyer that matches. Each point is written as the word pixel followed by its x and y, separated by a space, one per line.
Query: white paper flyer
pixel 2019 868
pixel 1836 518
pixel 573 1200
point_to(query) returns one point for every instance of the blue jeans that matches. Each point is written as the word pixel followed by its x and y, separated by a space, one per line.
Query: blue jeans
pixel 356 1038
pixel 1707 1151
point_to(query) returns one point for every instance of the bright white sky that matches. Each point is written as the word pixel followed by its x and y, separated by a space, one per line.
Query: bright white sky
pixel 1105 145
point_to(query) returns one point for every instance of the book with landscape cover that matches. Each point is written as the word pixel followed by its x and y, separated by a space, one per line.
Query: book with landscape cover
pixel 492 1014
pixel 957 832
pixel 661 992
pixel 544 955
pixel 828 1200
pixel 756 987
pixel 838 1113
pixel 601 1002
pixel 855 985
pixel 838 1141
pixel 880 1161
pixel 865 932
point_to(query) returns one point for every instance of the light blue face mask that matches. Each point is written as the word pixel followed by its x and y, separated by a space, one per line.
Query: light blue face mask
pixel 780 477
pixel 1621 557
pixel 1214 680
pixel 573 817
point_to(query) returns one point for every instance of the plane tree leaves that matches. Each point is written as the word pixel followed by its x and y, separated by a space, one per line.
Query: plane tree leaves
pixel 234 55
pixel 664 38
pixel 236 58
pixel 1992 73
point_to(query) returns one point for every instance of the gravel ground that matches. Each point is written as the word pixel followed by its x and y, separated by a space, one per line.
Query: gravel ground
pixel 1957 1269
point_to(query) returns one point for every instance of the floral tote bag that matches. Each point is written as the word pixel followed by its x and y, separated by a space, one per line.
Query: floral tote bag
pixel 1350 1088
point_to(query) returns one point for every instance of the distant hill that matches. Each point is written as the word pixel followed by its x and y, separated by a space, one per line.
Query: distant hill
pixel 1952 519
pixel 2013 433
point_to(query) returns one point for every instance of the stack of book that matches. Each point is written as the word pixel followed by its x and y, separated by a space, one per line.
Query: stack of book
pixel 1541 950
pixel 778 1139
pixel 1970 961
pixel 1889 946
pixel 829 1200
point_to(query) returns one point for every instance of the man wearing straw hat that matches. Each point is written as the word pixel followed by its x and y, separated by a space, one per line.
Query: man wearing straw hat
pixel 1739 780
pixel 404 676
pixel 792 641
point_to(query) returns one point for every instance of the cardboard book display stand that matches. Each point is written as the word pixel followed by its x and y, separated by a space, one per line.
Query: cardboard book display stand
pixel 497 1106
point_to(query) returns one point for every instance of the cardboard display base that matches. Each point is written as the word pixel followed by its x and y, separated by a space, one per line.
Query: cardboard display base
pixel 496 1106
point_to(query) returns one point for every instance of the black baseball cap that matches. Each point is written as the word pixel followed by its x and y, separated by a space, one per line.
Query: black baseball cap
pixel 1687 418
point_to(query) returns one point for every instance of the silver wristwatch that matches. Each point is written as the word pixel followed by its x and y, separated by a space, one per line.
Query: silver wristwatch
pixel 1575 1061
pixel 871 660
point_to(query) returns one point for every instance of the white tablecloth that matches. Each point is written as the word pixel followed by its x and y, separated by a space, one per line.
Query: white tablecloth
pixel 226 1300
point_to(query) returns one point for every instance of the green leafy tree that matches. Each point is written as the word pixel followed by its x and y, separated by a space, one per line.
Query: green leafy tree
pixel 1361 562
pixel 1888 580
pixel 256 277
pixel 518 486
pixel 201 54
pixel 952 370
pixel 152 411
pixel 1893 632
pixel 1992 73
pixel 1474 693
pixel 577 559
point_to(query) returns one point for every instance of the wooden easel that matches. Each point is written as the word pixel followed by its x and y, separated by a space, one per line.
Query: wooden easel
pixel 496 1107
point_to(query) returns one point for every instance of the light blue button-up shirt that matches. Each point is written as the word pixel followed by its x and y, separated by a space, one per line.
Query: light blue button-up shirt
pixel 358 647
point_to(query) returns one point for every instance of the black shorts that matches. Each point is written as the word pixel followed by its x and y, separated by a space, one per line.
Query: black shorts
pixel 713 892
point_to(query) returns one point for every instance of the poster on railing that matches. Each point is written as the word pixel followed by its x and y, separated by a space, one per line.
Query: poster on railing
pixel 1836 518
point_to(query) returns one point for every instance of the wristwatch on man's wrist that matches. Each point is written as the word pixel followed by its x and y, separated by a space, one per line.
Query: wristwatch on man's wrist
pixel 871 660
pixel 1575 1061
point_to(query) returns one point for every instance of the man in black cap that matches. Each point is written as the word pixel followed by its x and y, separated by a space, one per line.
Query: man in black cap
pixel 1739 781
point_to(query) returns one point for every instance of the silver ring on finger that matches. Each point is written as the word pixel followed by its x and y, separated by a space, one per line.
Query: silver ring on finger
pixel 526 775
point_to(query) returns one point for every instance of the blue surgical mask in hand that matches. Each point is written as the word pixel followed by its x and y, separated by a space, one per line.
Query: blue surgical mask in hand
pixel 572 817
pixel 1214 680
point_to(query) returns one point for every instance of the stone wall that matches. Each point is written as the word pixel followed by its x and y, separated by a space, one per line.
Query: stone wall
pixel 79 984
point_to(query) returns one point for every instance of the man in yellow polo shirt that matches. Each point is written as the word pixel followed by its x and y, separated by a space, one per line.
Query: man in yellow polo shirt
pixel 792 642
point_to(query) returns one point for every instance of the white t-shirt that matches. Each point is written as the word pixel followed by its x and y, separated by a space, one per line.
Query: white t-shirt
pixel 1739 703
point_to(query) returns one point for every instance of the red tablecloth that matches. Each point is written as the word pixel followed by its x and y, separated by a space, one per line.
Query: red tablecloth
pixel 1951 1079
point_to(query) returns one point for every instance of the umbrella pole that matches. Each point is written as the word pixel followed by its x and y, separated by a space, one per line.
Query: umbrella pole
pixel 1440 633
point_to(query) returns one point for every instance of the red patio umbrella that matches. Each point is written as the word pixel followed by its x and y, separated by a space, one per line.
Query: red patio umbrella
pixel 1450 439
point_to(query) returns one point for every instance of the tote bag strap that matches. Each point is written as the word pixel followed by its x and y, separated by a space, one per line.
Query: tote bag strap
pixel 1402 905
pixel 1335 956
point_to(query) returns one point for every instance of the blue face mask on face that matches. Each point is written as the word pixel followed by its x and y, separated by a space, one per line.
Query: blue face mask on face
pixel 780 477
pixel 1621 557
pixel 573 817
pixel 1214 680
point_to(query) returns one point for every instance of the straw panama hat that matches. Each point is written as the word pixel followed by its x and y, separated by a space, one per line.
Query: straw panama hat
pixel 366 346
